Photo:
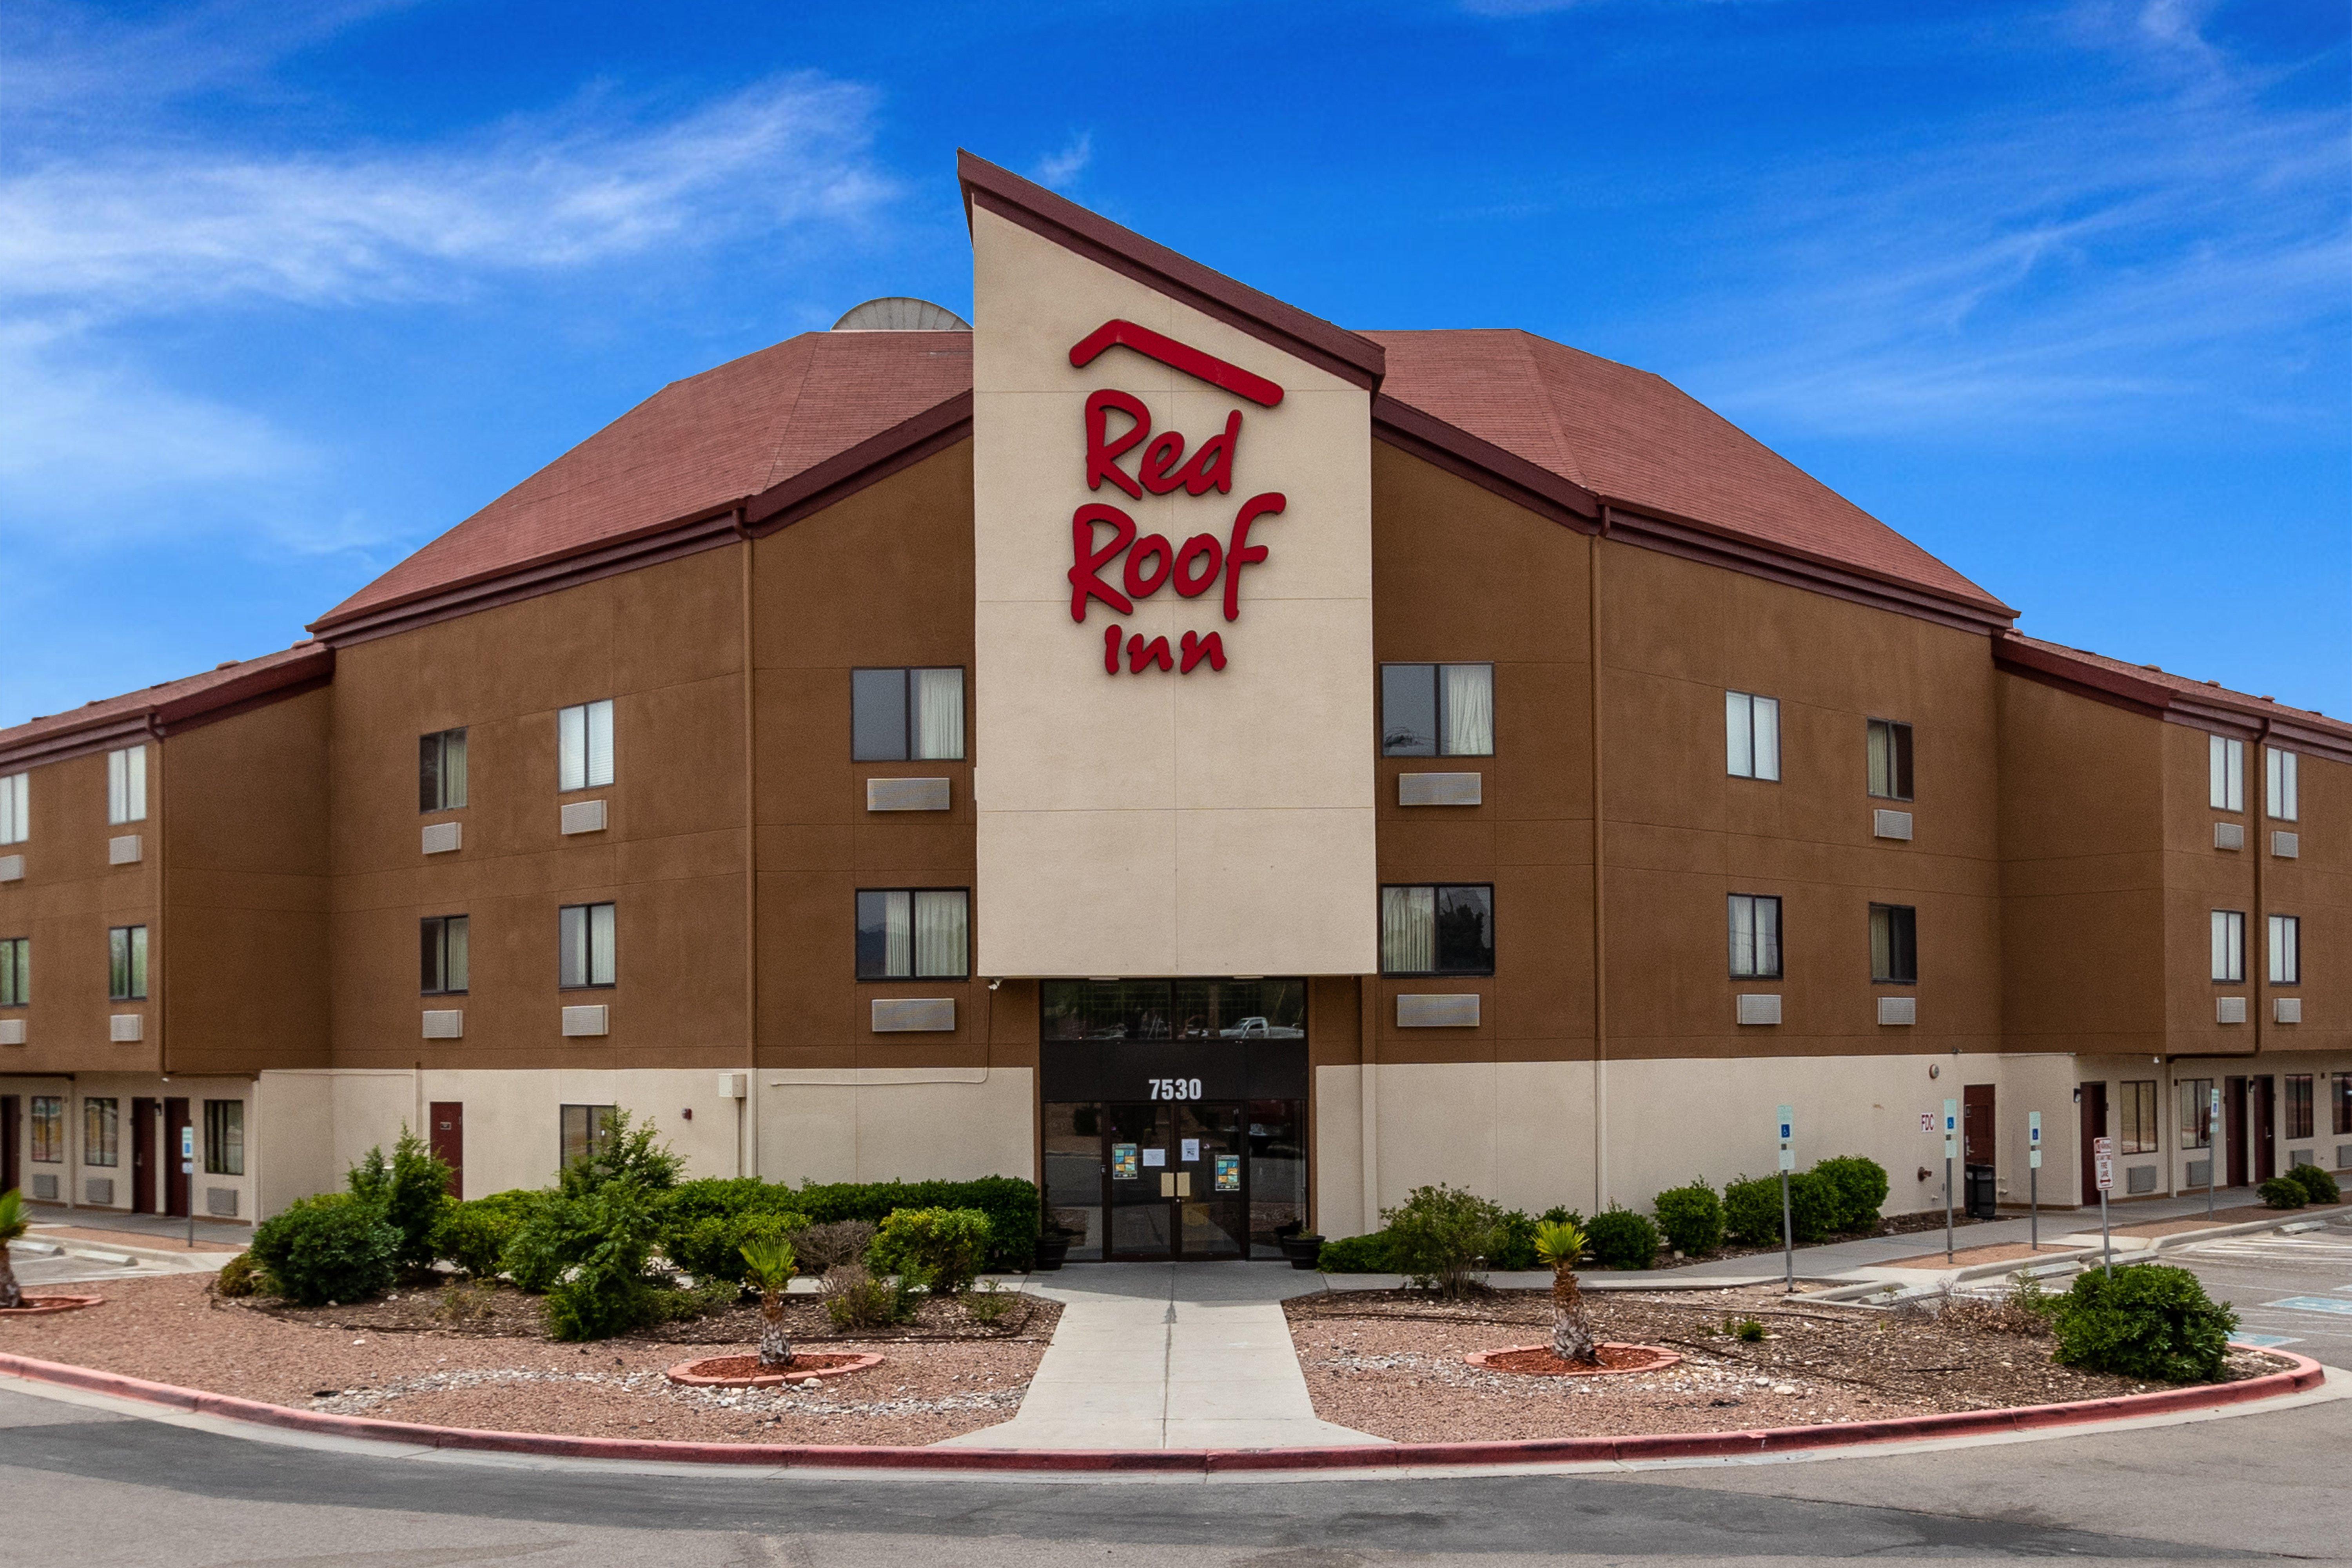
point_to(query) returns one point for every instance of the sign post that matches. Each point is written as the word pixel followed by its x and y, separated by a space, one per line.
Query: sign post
pixel 2212 1141
pixel 2103 1157
pixel 1951 1152
pixel 1787 1122
pixel 2033 1178
pixel 188 1170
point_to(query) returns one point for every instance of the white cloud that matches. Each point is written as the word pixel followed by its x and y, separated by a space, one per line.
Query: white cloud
pixel 1064 166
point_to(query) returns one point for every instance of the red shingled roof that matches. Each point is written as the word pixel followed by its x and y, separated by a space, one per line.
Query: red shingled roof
pixel 167 702
pixel 1635 439
pixel 2136 679
pixel 695 446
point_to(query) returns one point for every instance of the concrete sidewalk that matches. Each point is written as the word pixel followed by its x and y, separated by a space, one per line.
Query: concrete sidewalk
pixel 1169 1355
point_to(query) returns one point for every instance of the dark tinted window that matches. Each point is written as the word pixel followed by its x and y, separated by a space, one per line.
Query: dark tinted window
pixel 1894 944
pixel 1465 930
pixel 1409 709
pixel 878 715
pixel 1180 1009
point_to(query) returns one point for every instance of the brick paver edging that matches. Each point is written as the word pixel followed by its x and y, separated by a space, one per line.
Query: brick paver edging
pixel 2304 1376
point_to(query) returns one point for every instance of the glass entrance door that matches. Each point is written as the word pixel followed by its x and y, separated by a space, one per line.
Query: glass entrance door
pixel 1177 1180
pixel 1136 1170
pixel 1211 1201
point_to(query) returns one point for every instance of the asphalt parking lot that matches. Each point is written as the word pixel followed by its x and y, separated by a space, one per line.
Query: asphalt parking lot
pixel 2294 1291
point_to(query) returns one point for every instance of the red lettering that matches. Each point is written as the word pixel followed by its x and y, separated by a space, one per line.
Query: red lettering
pixel 1200 544
pixel 1140 653
pixel 1111 647
pixel 1240 551
pixel 1156 467
pixel 1213 465
pixel 1102 453
pixel 1197 648
pixel 1087 560
pixel 1143 585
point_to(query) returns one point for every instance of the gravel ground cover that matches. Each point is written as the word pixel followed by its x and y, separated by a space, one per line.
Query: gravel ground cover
pixel 402 1359
pixel 1390 1362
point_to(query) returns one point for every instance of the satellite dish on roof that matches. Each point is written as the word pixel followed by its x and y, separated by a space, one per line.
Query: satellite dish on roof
pixel 897 314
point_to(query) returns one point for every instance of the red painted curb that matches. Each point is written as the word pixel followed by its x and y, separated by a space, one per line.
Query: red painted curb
pixel 2305 1373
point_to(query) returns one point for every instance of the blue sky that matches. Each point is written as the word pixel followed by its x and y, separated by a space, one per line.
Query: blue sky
pixel 2062 290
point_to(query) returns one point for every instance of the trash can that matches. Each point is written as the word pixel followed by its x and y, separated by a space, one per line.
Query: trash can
pixel 1983 1193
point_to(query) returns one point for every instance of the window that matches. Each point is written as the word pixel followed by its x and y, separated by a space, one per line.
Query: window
pixel 1751 729
pixel 1894 944
pixel 223 1137
pixel 101 1123
pixel 1437 929
pixel 1890 760
pixel 2139 1131
pixel 15 974
pixel 585 932
pixel 913 933
pixel 444 968
pixel 127 964
pixel 2298 1105
pixel 16 808
pixel 2287 949
pixel 1755 937
pixel 897 715
pixel 2278 772
pixel 1437 710
pixel 2343 1099
pixel 2196 1113
pixel 126 785
pixel 584 738
pixel 441 771
pixel 48 1129
pixel 2227 765
pixel 587 1132
pixel 2229 945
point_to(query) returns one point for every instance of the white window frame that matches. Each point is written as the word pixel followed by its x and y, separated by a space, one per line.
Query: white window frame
pixel 2230 947
pixel 2225 770
pixel 126 785
pixel 15 807
pixel 1751 736
pixel 2285 950
pixel 2279 771
pixel 584 743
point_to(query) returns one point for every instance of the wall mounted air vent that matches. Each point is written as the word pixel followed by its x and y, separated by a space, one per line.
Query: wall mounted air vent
pixel 2284 844
pixel 123 849
pixel 123 1029
pixel 98 1190
pixel 2287 1009
pixel 2197 1173
pixel 1759 1008
pixel 581 1021
pixel 2229 1009
pixel 913 1015
pixel 45 1188
pixel 906 795
pixel 585 817
pixel 444 1022
pixel 221 1201
pixel 12 867
pixel 2229 836
pixel 1898 1009
pixel 1438 1011
pixel 1441 789
pixel 2139 1179
pixel 444 837
pixel 12 1031
pixel 1884 824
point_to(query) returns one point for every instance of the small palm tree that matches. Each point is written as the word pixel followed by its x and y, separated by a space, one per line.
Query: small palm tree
pixel 770 1264
pixel 14 1222
pixel 1560 1244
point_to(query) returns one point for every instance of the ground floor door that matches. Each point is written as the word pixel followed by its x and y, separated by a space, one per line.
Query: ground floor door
pixel 447 1119
pixel 2094 1126
pixel 1134 1181
pixel 142 1155
pixel 11 1170
pixel 2233 1131
pixel 2261 1126
pixel 179 1159
pixel 1976 1125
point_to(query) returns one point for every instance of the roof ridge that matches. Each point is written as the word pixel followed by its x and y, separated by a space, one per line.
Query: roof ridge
pixel 784 425
pixel 1572 467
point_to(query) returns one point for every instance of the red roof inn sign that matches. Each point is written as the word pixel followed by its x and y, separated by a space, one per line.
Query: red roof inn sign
pixel 1118 426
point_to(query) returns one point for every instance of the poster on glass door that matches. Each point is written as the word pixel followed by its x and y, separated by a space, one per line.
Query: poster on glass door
pixel 1229 1173
pixel 1123 1163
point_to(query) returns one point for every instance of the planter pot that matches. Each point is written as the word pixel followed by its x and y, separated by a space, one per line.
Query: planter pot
pixel 1053 1251
pixel 1303 1251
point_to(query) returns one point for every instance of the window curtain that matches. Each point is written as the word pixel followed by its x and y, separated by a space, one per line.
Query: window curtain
pixel 600 945
pixel 1407 930
pixel 1469 709
pixel 1739 735
pixel 453 770
pixel 453 958
pixel 897 934
pixel 15 800
pixel 940 926
pixel 100 1124
pixel 2225 946
pixel 1768 736
pixel 126 785
pixel 939 714
pixel 571 746
pixel 1768 936
pixel 600 743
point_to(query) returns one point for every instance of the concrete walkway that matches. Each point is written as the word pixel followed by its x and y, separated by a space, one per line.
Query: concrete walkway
pixel 1169 1355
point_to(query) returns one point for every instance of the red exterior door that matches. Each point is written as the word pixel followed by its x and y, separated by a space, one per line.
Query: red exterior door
pixel 1976 1123
pixel 2262 1113
pixel 2094 1125
pixel 179 1180
pixel 447 1119
pixel 9 1153
pixel 142 1156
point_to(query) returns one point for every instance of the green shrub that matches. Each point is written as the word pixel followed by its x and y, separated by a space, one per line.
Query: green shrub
pixel 331 1247
pixel 828 1246
pixel 1692 1218
pixel 1514 1241
pixel 473 1235
pixel 1560 1214
pixel 2283 1193
pixel 411 1190
pixel 2152 1321
pixel 588 1254
pixel 712 1248
pixel 940 1248
pixel 1356 1254
pixel 1623 1240
pixel 991 1304
pixel 1751 1210
pixel 676 1305
pixel 1010 1203
pixel 1747 1330
pixel 627 1153
pixel 237 1277
pixel 1438 1234
pixel 857 1298
pixel 1858 1188
pixel 2318 1184
pixel 1812 1206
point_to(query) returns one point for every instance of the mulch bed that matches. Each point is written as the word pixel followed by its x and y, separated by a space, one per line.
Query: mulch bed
pixel 1390 1362
pixel 401 1360
pixel 1539 1361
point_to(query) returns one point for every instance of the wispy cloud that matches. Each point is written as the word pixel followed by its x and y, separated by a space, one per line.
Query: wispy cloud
pixel 1059 170
pixel 2116 252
